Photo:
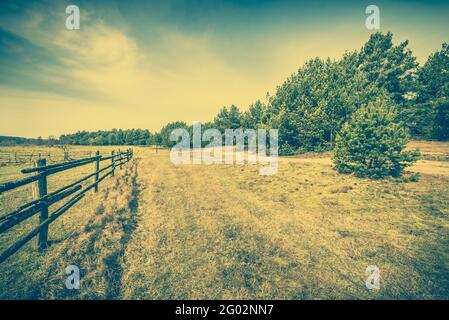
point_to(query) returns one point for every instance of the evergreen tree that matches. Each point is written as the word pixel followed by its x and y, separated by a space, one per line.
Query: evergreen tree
pixel 253 118
pixel 371 144
pixel 234 118
pixel 434 76
pixel 167 130
pixel 388 66
pixel 429 116
pixel 312 105
pixel 228 119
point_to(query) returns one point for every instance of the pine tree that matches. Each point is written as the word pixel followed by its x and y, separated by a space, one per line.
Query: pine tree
pixel 429 116
pixel 371 144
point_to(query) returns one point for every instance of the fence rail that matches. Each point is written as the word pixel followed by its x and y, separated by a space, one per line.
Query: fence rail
pixel 11 157
pixel 43 199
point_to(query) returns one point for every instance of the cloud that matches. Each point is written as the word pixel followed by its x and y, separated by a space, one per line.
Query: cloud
pixel 143 65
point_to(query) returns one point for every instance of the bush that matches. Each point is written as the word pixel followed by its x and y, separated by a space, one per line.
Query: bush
pixel 371 144
pixel 286 150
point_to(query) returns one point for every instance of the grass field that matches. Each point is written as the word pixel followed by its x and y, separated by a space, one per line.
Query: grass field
pixel 159 231
pixel 25 155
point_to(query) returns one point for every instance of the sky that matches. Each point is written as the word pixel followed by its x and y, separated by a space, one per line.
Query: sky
pixel 142 64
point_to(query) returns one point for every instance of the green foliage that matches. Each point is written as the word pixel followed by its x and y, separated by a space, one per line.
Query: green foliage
pixel 227 119
pixel 136 137
pixel 371 144
pixel 12 141
pixel 429 120
pixel 312 105
pixel 434 76
pixel 388 66
pixel 255 116
pixel 286 150
pixel 441 122
pixel 157 139
pixel 428 117
pixel 166 131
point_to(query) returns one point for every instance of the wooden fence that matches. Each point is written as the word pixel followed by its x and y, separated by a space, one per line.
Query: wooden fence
pixel 43 199
pixel 54 156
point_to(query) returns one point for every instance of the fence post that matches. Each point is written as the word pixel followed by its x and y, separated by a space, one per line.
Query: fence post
pixel 97 167
pixel 40 190
pixel 120 158
pixel 113 162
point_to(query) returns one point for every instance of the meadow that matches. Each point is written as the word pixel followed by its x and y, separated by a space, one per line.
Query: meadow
pixel 160 231
pixel 27 154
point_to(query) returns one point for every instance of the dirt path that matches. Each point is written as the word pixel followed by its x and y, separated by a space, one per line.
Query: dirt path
pixel 190 245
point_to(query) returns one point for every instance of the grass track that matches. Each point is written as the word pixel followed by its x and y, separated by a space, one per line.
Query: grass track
pixel 226 232
pixel 160 231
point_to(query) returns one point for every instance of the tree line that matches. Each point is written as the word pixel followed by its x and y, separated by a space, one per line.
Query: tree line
pixel 311 107
pixel 364 106
pixel 132 137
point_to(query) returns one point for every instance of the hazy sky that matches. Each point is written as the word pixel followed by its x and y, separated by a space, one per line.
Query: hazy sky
pixel 141 64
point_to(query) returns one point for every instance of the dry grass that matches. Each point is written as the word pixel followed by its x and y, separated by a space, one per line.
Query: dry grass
pixel 160 231
pixel 306 232
pixel 27 155
pixel 91 235
pixel 431 150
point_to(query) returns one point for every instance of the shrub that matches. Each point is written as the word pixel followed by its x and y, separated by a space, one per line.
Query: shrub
pixel 371 144
pixel 286 150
